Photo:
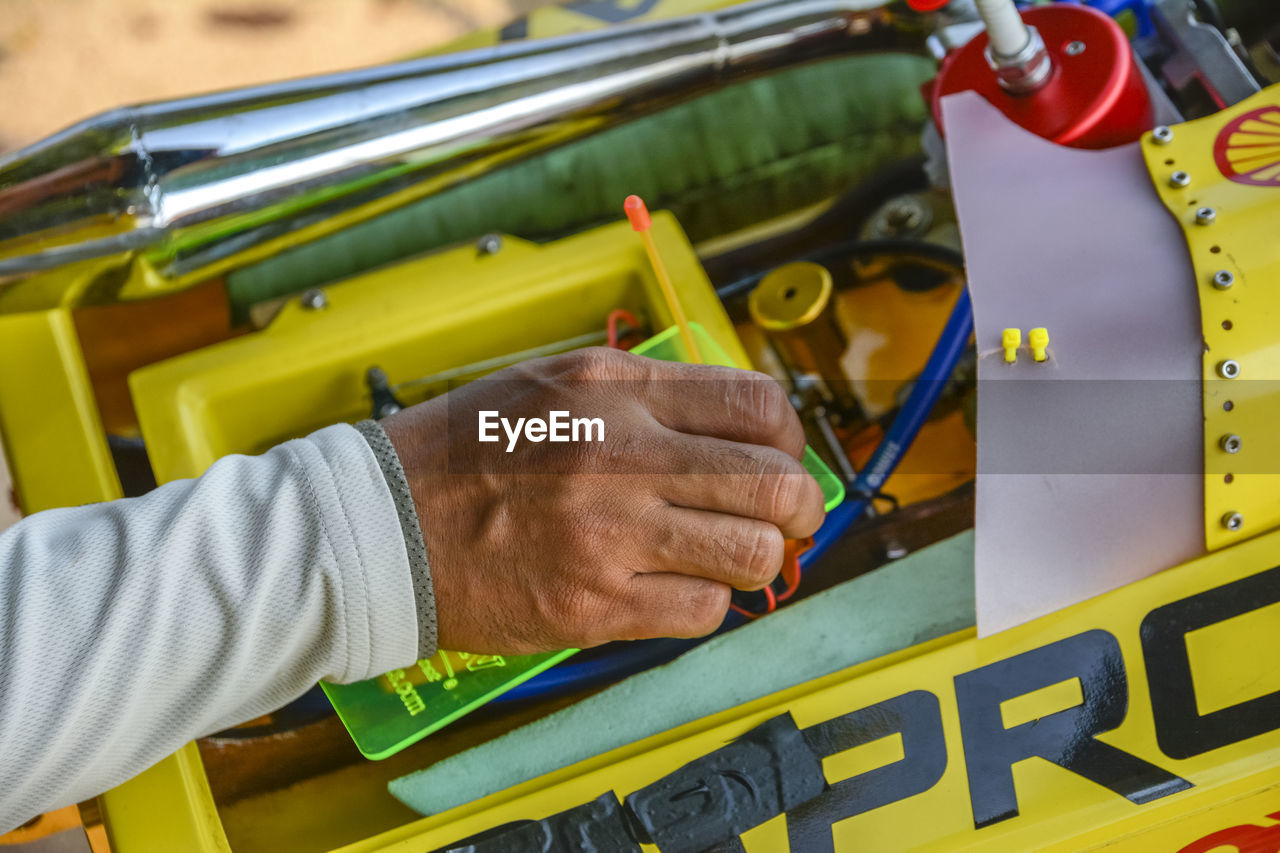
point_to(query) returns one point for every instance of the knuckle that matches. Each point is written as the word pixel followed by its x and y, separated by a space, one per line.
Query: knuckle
pixel 707 605
pixel 764 555
pixel 592 619
pixel 813 512
pixel 779 495
pixel 767 404
pixel 791 438
pixel 592 363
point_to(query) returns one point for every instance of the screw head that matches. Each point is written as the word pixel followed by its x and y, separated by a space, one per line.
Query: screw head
pixel 1230 443
pixel 1075 48
pixel 314 299
pixel 489 244
pixel 1162 135
pixel 1223 279
pixel 895 550
pixel 1233 521
pixel 1206 216
pixel 1179 179
pixel 901 216
pixel 1229 369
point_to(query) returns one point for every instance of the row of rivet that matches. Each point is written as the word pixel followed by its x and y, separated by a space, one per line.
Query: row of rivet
pixel 1222 280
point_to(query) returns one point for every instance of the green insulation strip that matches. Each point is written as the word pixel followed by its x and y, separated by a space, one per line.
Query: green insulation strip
pixel 877 614
pixel 732 158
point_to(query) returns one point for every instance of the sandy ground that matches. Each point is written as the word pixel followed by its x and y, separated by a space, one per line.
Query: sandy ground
pixel 63 60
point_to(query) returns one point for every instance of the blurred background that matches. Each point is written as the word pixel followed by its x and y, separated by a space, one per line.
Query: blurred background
pixel 63 60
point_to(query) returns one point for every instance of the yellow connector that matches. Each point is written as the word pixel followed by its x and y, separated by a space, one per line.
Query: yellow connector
pixel 1011 339
pixel 1039 340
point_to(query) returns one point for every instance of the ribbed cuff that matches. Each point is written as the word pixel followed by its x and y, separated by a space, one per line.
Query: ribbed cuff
pixel 419 568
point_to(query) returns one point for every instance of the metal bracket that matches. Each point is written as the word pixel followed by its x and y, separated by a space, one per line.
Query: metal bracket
pixel 1203 55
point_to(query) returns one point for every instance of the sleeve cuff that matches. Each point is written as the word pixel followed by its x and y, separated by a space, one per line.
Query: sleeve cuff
pixel 419 568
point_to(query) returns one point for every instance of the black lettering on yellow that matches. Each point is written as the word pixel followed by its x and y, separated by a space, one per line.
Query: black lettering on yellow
pixel 1181 730
pixel 1066 738
pixel 918 719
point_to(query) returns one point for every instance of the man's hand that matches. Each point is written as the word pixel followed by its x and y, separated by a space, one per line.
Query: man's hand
pixel 554 545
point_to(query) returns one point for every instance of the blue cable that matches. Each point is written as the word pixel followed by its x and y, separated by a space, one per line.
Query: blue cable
pixel 1114 8
pixel 924 394
pixel 635 657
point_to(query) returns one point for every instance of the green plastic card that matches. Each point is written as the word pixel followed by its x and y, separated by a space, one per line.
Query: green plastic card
pixel 393 711
pixel 388 713
pixel 668 346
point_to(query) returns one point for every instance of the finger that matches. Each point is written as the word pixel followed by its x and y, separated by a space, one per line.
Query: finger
pixel 725 402
pixel 672 605
pixel 743 480
pixel 742 552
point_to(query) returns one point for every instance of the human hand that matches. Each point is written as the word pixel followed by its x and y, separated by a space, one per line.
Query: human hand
pixel 540 546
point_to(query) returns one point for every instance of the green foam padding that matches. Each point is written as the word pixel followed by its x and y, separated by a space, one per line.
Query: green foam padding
pixel 720 162
pixel 924 596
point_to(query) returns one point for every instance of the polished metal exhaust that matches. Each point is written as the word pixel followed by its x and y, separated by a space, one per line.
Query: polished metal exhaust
pixel 169 193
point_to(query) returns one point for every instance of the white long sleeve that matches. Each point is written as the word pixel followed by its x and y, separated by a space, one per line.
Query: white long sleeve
pixel 129 628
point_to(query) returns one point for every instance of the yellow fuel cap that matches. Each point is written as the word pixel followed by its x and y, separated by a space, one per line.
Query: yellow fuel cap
pixel 791 296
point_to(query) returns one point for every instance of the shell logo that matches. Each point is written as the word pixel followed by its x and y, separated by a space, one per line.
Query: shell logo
pixel 1247 150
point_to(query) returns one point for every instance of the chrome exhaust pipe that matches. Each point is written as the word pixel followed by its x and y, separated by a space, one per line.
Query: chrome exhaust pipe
pixel 180 191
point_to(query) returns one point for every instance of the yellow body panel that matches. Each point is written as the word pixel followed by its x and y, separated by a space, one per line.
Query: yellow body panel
pixel 1232 165
pixel 167 807
pixel 48 417
pixel 1231 785
pixel 415 319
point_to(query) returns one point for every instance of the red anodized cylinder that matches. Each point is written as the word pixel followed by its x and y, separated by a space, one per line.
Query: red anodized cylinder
pixel 1095 98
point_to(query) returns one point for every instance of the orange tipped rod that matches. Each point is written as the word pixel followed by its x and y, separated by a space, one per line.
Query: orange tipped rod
pixel 638 215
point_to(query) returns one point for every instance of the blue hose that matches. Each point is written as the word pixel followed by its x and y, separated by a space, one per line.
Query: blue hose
pixel 924 394
pixel 1139 9
pixel 635 657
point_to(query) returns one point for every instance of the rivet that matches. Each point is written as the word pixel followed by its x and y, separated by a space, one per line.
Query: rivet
pixel 1233 521
pixel 489 244
pixel 1179 180
pixel 1223 279
pixel 1230 443
pixel 1162 135
pixel 1229 369
pixel 314 299
pixel 1075 48
pixel 1206 216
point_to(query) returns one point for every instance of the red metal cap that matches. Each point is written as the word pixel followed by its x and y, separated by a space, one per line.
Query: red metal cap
pixel 1094 98
pixel 637 213
pixel 927 5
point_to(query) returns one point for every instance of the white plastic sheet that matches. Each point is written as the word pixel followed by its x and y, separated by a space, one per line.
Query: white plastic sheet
pixel 1089 466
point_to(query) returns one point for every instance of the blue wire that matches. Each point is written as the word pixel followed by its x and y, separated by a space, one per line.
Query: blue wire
pixel 924 394
pixel 1139 8
pixel 635 657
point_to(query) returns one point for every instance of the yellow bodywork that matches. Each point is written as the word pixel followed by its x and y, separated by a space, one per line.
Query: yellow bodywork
pixel 415 319
pixel 305 370
pixel 1239 321
pixel 1236 785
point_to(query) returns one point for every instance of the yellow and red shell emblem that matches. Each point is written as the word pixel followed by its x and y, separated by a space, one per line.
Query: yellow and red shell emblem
pixel 1247 150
